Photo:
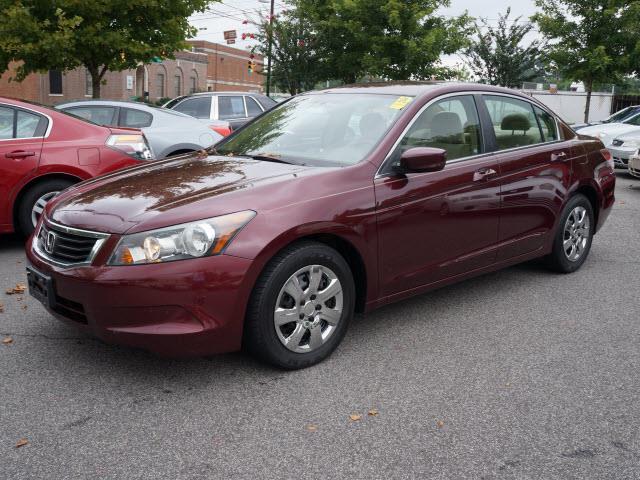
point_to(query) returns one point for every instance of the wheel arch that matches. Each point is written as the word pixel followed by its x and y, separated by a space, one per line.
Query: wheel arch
pixel 342 245
pixel 30 184
pixel 592 195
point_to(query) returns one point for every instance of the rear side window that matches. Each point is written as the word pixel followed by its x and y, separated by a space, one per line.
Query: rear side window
pixel 27 125
pixel 132 118
pixel 6 123
pixel 17 123
pixel 230 108
pixel 547 124
pixel 199 107
pixel 253 109
pixel 513 122
pixel 451 124
pixel 97 115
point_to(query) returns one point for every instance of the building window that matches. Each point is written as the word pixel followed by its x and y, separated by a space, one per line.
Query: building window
pixel 55 82
pixel 160 85
pixel 88 85
pixel 194 85
pixel 178 86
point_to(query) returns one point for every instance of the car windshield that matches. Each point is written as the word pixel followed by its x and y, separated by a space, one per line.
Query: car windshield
pixel 329 129
pixel 621 115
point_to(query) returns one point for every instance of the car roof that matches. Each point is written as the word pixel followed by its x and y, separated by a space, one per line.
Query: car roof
pixel 200 94
pixel 114 103
pixel 418 89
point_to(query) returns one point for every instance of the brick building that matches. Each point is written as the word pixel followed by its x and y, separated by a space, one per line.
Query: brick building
pixel 208 67
pixel 228 68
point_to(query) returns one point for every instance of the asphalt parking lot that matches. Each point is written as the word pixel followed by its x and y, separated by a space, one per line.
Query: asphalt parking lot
pixel 519 374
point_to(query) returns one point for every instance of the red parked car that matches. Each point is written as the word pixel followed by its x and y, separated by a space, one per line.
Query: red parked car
pixel 333 202
pixel 43 151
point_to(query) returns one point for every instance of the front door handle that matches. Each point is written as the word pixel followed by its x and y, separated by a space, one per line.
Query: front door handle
pixel 20 154
pixel 483 174
pixel 557 157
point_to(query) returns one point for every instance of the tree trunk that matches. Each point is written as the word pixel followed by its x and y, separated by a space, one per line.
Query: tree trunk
pixel 97 74
pixel 589 87
pixel 95 85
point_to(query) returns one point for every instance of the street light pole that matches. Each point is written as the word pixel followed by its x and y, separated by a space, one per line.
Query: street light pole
pixel 270 47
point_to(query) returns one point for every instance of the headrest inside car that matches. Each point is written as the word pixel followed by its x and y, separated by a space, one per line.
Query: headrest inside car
pixel 515 121
pixel 447 124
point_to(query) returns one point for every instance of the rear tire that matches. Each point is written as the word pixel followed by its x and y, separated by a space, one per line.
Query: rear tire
pixel 301 307
pixel 574 236
pixel 34 200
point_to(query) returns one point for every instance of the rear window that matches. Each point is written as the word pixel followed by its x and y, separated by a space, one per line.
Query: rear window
pixel 95 114
pixel 132 118
pixel 199 107
pixel 231 107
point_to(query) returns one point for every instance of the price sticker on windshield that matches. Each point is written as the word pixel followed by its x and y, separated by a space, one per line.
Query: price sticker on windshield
pixel 400 103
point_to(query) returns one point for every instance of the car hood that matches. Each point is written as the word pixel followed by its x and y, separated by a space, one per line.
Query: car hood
pixel 607 132
pixel 175 191
pixel 630 135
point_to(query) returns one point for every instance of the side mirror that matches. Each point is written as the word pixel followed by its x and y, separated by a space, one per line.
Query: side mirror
pixel 423 159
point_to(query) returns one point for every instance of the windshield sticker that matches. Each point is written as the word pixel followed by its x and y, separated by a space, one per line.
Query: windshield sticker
pixel 400 103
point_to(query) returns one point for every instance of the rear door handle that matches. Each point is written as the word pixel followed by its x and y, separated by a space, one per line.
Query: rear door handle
pixel 557 157
pixel 483 174
pixel 20 154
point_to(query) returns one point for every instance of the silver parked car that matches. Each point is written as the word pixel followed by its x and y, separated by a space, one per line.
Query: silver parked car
pixel 169 133
pixel 634 164
pixel 235 107
pixel 624 146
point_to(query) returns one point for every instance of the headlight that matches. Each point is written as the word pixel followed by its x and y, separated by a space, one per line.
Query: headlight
pixel 180 242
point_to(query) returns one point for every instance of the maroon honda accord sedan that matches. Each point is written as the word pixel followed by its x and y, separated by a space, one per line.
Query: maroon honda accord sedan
pixel 331 203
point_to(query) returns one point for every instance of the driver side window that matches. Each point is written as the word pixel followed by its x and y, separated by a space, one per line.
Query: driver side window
pixel 451 124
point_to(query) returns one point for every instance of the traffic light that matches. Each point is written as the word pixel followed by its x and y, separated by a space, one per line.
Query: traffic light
pixel 252 64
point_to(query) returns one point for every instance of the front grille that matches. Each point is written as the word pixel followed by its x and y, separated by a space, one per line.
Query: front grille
pixel 68 246
pixel 617 143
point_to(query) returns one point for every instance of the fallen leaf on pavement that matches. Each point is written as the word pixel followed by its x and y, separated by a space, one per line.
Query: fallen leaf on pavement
pixel 439 424
pixel 1 307
pixel 7 340
pixel 24 307
pixel 312 428
pixel 22 442
pixel 373 412
pixel 17 290
pixel 355 417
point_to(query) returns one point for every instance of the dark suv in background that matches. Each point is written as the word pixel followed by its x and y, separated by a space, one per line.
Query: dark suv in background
pixel 237 108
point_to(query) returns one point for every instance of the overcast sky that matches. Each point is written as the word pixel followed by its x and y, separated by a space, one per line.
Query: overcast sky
pixel 230 14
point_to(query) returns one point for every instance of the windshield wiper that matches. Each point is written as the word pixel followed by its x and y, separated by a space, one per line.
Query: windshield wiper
pixel 269 158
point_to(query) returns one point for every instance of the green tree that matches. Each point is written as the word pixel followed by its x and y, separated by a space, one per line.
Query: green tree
pixel 102 35
pixel 592 41
pixel 392 39
pixel 296 64
pixel 498 56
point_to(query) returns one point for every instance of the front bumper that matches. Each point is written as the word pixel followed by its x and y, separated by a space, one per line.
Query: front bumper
pixel 634 166
pixel 185 308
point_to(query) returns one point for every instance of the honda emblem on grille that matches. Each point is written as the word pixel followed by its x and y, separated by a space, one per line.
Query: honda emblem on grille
pixel 50 242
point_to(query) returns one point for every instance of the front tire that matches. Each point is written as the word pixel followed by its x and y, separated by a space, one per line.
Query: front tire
pixel 574 236
pixel 34 201
pixel 301 307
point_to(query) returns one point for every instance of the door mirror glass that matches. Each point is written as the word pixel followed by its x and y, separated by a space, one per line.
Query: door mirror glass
pixel 423 159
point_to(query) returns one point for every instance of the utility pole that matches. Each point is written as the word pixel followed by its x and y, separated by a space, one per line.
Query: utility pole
pixel 270 47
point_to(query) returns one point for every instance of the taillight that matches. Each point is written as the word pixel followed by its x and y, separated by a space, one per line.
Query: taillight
pixel 135 146
pixel 224 131
pixel 606 154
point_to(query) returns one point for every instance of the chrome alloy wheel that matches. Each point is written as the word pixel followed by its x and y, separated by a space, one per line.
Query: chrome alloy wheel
pixel 308 308
pixel 576 233
pixel 38 207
